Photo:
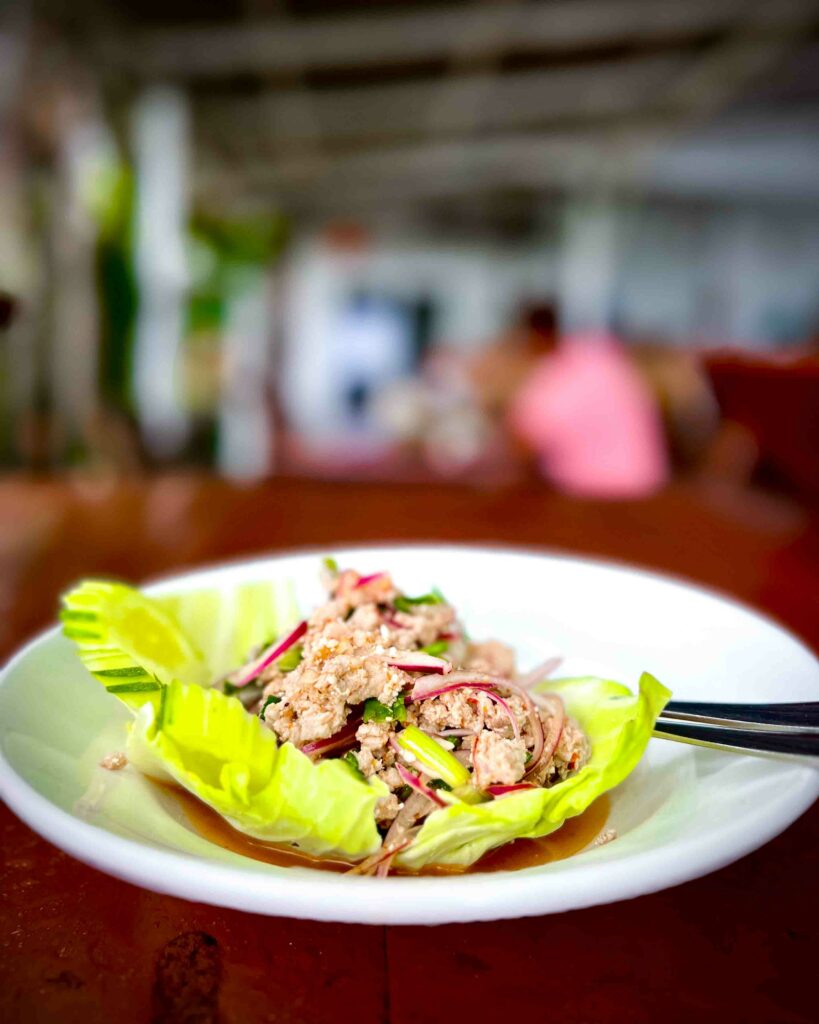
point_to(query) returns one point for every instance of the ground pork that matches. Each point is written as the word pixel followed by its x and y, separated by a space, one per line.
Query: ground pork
pixel 492 657
pixel 318 697
pixel 495 716
pixel 424 624
pixel 387 807
pixel 571 753
pixel 497 760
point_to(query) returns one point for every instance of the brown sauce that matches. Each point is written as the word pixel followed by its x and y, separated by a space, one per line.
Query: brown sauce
pixel 575 835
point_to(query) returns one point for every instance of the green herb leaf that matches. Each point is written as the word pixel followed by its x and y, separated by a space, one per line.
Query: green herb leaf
pixel 439 647
pixel 330 564
pixel 439 784
pixel 528 757
pixel 456 741
pixel 351 760
pixel 405 604
pixel 267 703
pixel 404 793
pixel 229 689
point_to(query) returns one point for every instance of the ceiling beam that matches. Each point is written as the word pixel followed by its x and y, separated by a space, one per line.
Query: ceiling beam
pixel 515 100
pixel 286 46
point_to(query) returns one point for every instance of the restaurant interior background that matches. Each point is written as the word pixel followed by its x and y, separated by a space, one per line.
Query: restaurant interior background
pixel 369 239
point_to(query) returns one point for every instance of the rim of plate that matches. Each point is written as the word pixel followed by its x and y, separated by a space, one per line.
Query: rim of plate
pixel 302 893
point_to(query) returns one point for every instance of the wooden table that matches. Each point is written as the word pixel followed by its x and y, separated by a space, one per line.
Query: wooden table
pixel 75 945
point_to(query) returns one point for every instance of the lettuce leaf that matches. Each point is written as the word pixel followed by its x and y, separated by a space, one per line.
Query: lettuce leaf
pixel 209 744
pixel 135 644
pixel 618 724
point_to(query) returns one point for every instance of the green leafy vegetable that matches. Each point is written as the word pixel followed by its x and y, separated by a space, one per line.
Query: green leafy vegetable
pixel 375 711
pixel 405 604
pixel 211 746
pixel 134 643
pixel 330 564
pixel 439 647
pixel 618 724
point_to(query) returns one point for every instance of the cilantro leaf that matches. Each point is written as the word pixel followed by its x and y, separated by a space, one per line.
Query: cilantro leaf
pixel 352 761
pixel 268 701
pixel 439 647
pixel 405 604
pixel 439 784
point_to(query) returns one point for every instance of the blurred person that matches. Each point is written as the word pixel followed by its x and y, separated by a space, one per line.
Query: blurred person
pixel 678 379
pixel 498 371
pixel 591 421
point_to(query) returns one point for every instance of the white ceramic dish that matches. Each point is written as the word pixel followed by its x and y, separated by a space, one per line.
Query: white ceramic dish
pixel 683 813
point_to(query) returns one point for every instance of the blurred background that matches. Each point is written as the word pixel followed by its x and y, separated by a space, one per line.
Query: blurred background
pixel 574 241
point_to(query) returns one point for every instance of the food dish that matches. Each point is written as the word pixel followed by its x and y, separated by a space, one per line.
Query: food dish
pixel 373 732
pixel 681 813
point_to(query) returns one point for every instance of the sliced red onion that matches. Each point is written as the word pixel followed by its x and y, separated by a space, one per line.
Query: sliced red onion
pixel 427 685
pixel 414 781
pixel 480 687
pixel 383 869
pixel 556 725
pixel 344 737
pixel 456 732
pixel 503 790
pixel 364 580
pixel 380 859
pixel 431 686
pixel 540 672
pixel 347 580
pixel 275 651
pixel 417 661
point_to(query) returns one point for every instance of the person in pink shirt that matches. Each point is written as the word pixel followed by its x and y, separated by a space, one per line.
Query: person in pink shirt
pixel 591 420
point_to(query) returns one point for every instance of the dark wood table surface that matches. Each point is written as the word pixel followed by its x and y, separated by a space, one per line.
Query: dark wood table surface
pixel 76 945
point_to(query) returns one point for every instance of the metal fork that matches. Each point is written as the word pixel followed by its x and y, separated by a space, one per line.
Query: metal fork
pixel 782 731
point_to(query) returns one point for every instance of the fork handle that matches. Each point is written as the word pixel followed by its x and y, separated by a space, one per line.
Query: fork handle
pixel 798 717
pixel 803 747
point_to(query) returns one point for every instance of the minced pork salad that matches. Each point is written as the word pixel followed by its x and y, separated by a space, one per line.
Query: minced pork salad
pixel 376 730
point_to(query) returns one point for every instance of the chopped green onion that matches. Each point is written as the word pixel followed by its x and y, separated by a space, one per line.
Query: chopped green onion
pixel 330 564
pixel 432 757
pixel 291 659
pixel 405 604
pixel 456 741
pixel 403 793
pixel 439 784
pixel 528 757
pixel 351 760
pixel 229 689
pixel 439 647
pixel 267 703
pixel 375 711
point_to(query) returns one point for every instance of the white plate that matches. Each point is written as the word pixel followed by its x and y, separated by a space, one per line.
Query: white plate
pixel 684 812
